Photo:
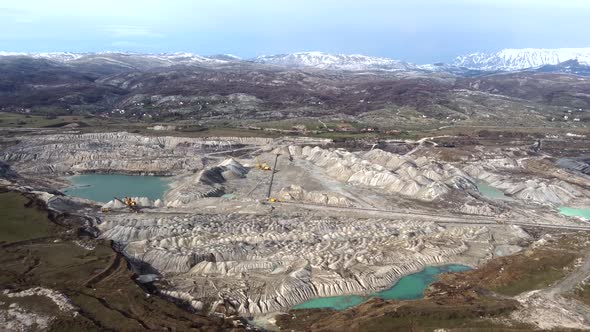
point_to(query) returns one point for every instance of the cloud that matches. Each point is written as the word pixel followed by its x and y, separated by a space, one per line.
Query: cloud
pixel 16 15
pixel 126 31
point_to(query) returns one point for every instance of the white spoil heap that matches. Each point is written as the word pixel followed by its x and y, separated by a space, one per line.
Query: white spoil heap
pixel 264 264
pixel 419 178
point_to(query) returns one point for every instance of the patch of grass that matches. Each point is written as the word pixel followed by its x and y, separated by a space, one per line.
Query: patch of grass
pixel 535 268
pixel 65 263
pixel 19 223
pixel 113 301
pixel 538 272
pixel 41 121
pixel 228 132
pixel 213 132
pixel 420 315
pixel 387 323
pixel 109 318
pixel 345 135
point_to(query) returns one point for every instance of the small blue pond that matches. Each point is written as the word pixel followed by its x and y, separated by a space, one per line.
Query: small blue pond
pixel 490 192
pixel 103 187
pixel 410 287
pixel 575 212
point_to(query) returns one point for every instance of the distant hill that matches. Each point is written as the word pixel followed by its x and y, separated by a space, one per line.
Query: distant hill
pixel 320 60
pixel 375 91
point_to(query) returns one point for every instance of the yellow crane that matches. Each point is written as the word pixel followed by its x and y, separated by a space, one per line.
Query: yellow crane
pixel 262 166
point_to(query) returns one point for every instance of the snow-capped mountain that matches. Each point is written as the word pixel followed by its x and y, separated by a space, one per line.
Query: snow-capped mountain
pixel 320 60
pixel 225 57
pixel 472 64
pixel 55 56
pixel 163 59
pixel 518 59
pixel 184 58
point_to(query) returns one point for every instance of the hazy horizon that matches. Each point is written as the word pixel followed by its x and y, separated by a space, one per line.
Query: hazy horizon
pixel 425 31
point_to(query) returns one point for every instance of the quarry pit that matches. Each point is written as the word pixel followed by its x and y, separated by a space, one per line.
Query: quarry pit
pixel 254 226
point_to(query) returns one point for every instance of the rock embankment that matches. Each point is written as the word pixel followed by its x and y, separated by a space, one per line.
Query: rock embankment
pixel 418 178
pixel 298 194
pixel 528 188
pixel 117 152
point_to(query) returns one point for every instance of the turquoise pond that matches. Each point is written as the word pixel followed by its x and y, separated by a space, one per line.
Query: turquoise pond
pixel 490 192
pixel 575 212
pixel 410 287
pixel 103 187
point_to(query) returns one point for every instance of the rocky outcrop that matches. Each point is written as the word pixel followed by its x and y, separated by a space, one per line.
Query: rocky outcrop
pixel 477 208
pixel 206 183
pixel 296 193
pixel 60 300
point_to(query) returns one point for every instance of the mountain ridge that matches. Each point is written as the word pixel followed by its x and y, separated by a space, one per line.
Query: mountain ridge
pixel 507 60
pixel 525 58
pixel 322 60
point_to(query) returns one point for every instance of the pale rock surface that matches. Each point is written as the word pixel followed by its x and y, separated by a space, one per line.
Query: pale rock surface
pixel 210 182
pixel 417 178
pixel 553 192
pixel 264 264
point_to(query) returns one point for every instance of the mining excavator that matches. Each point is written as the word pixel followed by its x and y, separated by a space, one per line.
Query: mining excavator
pixel 262 166
pixel 130 203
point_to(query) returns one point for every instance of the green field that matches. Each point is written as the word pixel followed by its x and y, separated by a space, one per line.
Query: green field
pixel 32 121
pixel 19 223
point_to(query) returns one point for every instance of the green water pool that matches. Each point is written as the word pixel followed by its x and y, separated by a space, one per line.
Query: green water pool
pixel 490 192
pixel 575 212
pixel 103 187
pixel 410 287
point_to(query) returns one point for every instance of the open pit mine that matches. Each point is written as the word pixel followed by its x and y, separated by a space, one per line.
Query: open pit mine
pixel 254 226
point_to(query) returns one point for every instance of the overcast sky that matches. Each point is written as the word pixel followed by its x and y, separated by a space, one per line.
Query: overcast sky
pixel 420 31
